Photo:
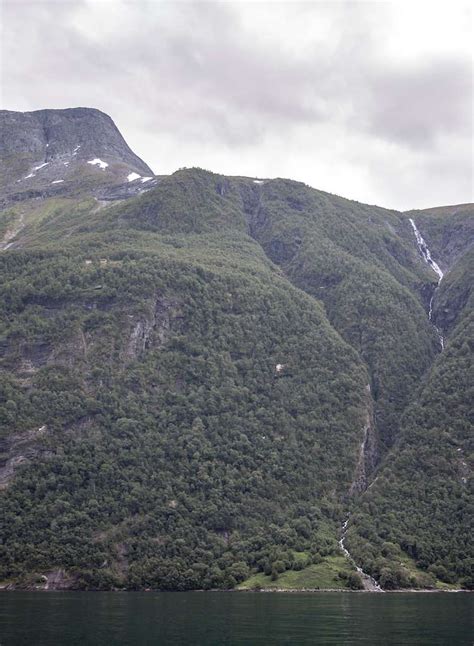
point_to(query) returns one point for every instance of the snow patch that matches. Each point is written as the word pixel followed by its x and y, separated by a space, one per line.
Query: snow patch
pixel 57 181
pixel 146 179
pixel 98 162
pixel 74 152
pixel 133 176
pixel 41 166
pixel 279 367
pixel 30 175
pixel 258 181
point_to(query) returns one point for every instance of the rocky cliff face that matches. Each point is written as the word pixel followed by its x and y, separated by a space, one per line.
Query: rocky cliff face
pixel 84 133
pixel 47 149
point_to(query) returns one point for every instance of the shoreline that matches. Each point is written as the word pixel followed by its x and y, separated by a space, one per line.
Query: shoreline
pixel 243 591
pixel 398 591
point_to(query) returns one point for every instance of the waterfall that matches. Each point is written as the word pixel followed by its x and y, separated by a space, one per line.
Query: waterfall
pixel 369 582
pixel 425 252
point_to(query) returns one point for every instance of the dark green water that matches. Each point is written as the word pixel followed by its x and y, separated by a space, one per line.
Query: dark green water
pixel 112 619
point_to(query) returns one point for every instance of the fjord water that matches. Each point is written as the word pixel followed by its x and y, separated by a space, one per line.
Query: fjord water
pixel 214 618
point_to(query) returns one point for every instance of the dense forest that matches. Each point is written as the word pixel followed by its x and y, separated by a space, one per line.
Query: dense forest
pixel 200 383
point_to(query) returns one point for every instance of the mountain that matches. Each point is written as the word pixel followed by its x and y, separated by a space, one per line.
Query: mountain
pixel 213 381
pixel 50 152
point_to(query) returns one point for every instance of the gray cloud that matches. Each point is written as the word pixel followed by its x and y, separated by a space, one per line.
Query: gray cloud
pixel 318 92
pixel 414 106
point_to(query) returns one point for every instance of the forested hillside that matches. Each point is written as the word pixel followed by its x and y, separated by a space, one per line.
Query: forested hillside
pixel 202 377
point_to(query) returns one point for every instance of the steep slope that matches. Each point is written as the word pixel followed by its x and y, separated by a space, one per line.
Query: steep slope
pixel 360 261
pixel 201 376
pixel 449 233
pixel 181 413
pixel 418 510
pixel 448 230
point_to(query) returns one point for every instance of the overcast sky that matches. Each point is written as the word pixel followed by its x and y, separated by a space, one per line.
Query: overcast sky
pixel 370 100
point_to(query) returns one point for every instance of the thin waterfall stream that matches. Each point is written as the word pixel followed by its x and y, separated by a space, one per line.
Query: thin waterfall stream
pixel 369 582
pixel 425 252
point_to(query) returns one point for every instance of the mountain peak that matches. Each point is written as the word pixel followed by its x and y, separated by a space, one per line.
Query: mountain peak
pixel 47 152
pixel 79 132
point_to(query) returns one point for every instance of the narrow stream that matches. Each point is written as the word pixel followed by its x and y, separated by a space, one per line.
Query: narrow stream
pixel 368 581
pixel 425 252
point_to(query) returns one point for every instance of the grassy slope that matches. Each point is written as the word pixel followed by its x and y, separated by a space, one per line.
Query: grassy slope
pixel 322 576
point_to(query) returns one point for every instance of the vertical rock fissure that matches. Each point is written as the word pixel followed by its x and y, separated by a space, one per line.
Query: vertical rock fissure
pixel 368 451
